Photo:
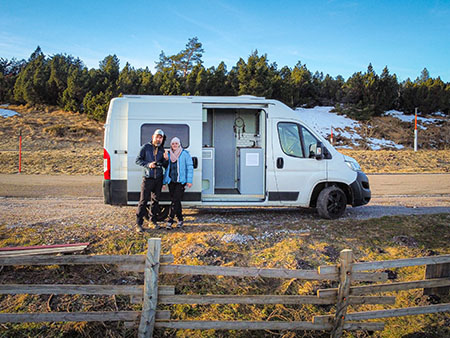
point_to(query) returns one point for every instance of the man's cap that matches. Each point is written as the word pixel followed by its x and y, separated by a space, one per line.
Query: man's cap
pixel 158 132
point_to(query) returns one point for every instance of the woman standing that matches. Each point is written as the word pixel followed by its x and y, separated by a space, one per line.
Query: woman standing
pixel 179 174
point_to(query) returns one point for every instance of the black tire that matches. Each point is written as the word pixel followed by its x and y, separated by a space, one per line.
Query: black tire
pixel 163 212
pixel 331 203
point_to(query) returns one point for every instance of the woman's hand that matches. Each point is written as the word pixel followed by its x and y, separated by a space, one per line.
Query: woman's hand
pixel 189 185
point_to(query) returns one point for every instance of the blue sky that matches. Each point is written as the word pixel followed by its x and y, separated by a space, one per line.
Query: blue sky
pixel 335 37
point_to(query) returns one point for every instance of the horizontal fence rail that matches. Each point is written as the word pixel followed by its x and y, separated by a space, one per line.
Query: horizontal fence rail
pixel 267 299
pixel 107 316
pixel 267 273
pixel 262 325
pixel 399 286
pixel 80 260
pixel 395 263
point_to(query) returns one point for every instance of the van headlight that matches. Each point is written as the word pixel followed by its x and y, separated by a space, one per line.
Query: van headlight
pixel 352 164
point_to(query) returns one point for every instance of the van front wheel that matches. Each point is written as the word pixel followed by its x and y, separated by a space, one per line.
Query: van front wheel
pixel 331 203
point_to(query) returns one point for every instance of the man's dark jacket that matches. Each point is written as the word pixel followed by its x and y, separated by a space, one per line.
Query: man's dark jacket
pixel 146 156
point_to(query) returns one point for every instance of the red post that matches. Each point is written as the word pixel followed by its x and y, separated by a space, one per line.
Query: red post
pixel 20 151
pixel 331 137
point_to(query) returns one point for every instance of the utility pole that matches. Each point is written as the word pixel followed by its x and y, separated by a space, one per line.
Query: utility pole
pixel 415 131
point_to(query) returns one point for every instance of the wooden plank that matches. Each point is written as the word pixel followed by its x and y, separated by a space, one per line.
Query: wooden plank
pixel 409 311
pixel 437 271
pixel 151 273
pixel 47 251
pixel 266 299
pixel 166 290
pixel 80 260
pixel 243 272
pixel 262 325
pixel 109 316
pixel 70 289
pixel 345 278
pixel 36 247
pixel 369 276
pixel 69 317
pixel 362 290
pixel 395 263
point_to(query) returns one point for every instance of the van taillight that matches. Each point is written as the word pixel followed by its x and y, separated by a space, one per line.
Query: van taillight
pixel 106 165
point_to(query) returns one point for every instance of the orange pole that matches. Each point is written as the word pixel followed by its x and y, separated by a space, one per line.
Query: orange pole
pixel 331 137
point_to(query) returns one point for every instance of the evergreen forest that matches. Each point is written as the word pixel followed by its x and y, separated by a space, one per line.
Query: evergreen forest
pixel 63 80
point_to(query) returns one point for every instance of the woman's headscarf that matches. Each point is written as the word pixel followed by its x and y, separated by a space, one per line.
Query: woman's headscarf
pixel 175 154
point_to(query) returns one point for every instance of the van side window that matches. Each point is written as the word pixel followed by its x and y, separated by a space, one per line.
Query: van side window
pixel 289 135
pixel 308 140
pixel 171 130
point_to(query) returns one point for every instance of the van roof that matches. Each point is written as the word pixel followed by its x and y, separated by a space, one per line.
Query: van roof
pixel 201 99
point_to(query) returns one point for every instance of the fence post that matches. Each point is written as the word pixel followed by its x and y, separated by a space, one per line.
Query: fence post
pixel 151 272
pixel 437 271
pixel 345 276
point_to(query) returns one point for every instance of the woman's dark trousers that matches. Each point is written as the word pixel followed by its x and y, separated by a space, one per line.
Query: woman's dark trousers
pixel 176 191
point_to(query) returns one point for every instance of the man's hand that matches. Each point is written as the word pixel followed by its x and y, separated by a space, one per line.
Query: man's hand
pixel 166 155
pixel 189 185
pixel 152 165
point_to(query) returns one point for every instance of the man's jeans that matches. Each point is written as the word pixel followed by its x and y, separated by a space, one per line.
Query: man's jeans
pixel 150 188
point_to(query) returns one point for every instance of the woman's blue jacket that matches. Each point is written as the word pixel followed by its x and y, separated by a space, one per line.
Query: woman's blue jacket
pixel 185 169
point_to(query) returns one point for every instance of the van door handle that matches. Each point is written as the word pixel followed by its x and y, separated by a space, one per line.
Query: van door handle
pixel 195 162
pixel 280 162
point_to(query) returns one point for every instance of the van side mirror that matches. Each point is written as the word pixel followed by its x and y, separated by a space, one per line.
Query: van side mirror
pixel 195 162
pixel 316 151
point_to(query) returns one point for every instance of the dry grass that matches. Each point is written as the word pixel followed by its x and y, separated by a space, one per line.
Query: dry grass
pixel 369 239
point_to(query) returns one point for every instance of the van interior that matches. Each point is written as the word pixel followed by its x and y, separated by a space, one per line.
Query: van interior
pixel 233 155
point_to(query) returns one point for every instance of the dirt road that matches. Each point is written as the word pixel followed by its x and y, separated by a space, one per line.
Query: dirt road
pixel 46 200
pixel 427 187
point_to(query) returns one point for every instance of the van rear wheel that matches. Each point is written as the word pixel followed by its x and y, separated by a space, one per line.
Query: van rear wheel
pixel 331 203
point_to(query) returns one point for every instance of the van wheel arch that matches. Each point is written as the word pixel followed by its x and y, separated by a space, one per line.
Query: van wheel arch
pixel 331 203
pixel 319 187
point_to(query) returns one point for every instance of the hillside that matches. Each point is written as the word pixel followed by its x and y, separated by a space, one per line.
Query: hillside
pixel 59 142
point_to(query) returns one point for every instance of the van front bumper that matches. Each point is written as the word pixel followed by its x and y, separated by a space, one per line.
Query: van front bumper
pixel 360 190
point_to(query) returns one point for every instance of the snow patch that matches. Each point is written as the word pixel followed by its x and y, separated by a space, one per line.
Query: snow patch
pixel 377 144
pixel 408 118
pixel 7 112
pixel 322 120
pixel 237 238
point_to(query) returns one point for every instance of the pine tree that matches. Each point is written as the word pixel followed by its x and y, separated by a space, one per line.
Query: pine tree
pixel 254 76
pixel 128 81
pixel 31 83
pixel 77 87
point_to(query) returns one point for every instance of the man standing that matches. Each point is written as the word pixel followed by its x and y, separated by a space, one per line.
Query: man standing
pixel 153 158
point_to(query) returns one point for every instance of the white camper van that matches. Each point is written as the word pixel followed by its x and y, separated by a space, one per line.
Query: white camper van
pixel 247 151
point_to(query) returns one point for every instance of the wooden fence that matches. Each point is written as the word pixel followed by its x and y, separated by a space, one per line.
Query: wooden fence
pixel 151 293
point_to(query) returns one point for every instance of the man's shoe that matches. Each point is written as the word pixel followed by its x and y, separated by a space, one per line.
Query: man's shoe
pixel 139 228
pixel 169 224
pixel 180 224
